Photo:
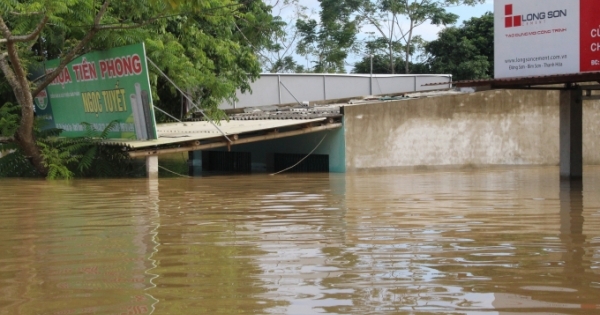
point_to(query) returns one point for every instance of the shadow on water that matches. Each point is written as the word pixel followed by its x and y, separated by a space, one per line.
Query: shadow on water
pixel 571 290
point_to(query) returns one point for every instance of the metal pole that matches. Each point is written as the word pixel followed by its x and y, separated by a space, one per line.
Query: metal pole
pixel 324 88
pixel 169 115
pixel 290 92
pixel 279 88
pixel 371 78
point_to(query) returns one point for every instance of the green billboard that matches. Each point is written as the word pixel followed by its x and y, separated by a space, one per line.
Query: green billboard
pixel 98 88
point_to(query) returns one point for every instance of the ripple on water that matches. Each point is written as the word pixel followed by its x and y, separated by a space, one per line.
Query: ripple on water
pixel 510 241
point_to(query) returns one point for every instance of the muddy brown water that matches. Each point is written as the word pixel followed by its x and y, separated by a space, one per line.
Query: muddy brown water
pixel 496 241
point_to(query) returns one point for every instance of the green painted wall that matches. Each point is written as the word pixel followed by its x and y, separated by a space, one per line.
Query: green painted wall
pixel 333 145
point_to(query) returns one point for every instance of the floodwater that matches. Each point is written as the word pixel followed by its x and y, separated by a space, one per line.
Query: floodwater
pixel 496 241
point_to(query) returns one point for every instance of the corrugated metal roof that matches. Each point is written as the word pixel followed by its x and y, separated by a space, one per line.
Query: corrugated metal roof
pixel 173 133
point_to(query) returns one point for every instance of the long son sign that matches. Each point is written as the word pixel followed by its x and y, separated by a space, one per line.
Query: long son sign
pixel 546 37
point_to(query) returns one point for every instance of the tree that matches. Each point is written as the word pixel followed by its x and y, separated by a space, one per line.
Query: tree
pixel 330 40
pixel 277 54
pixel 196 42
pixel 220 46
pixel 387 16
pixel 381 65
pixel 467 52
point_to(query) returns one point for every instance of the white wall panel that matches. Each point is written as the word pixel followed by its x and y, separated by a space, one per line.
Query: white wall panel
pixel 317 87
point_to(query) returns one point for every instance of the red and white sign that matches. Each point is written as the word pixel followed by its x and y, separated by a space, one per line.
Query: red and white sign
pixel 546 37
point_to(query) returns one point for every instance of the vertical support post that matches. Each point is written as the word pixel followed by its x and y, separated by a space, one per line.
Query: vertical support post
pixel 371 77
pixel 152 166
pixel 571 133
pixel 415 83
pixel 279 88
pixel 324 88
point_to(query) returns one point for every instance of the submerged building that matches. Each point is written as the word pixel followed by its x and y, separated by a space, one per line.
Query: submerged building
pixel 415 129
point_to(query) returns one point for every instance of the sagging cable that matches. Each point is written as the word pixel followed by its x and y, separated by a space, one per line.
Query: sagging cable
pixel 188 98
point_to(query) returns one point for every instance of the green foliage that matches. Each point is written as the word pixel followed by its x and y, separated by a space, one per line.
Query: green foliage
pixel 467 52
pixel 398 38
pixel 207 47
pixel 57 157
pixel 330 41
pixel 381 65
pixel 11 163
pixel 286 64
pixel 9 120
pixel 276 55
pixel 419 12
pixel 209 52
pixel 70 157
pixel 15 164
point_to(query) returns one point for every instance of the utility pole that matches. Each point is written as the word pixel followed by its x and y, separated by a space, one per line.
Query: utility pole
pixel 371 77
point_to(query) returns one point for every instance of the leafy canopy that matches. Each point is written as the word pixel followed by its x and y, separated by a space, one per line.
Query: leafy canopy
pixel 467 52
pixel 207 47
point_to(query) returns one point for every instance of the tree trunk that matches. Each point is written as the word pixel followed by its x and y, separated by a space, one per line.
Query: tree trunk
pixel 24 136
pixel 392 70
pixel 16 76
pixel 391 43
pixel 410 32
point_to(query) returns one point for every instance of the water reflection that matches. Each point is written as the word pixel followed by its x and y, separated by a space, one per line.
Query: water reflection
pixel 207 258
pixel 576 272
pixel 507 241
pixel 68 253
pixel 571 230
pixel 299 241
pixel 153 223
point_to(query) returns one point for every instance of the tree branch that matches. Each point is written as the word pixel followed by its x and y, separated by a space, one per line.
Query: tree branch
pixel 21 38
pixel 5 31
pixel 374 23
pixel 249 42
pixel 26 13
pixel 71 55
pixel 7 139
pixel 8 72
pixel 127 26
pixel 101 13
pixel 33 35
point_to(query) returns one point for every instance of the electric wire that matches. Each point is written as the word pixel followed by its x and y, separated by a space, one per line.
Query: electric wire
pixel 304 158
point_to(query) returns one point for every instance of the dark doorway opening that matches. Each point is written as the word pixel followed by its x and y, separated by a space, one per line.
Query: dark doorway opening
pixel 221 161
pixel 312 164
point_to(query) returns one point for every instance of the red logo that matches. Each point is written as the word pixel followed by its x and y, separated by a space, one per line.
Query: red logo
pixel 589 36
pixel 511 20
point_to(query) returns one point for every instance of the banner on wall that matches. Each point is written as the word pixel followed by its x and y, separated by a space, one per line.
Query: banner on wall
pixel 546 37
pixel 98 88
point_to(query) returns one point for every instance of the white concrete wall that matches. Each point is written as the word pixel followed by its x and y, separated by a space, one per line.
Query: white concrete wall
pixel 504 127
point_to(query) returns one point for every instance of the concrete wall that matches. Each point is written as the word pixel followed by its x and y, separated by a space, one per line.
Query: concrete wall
pixel 504 127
